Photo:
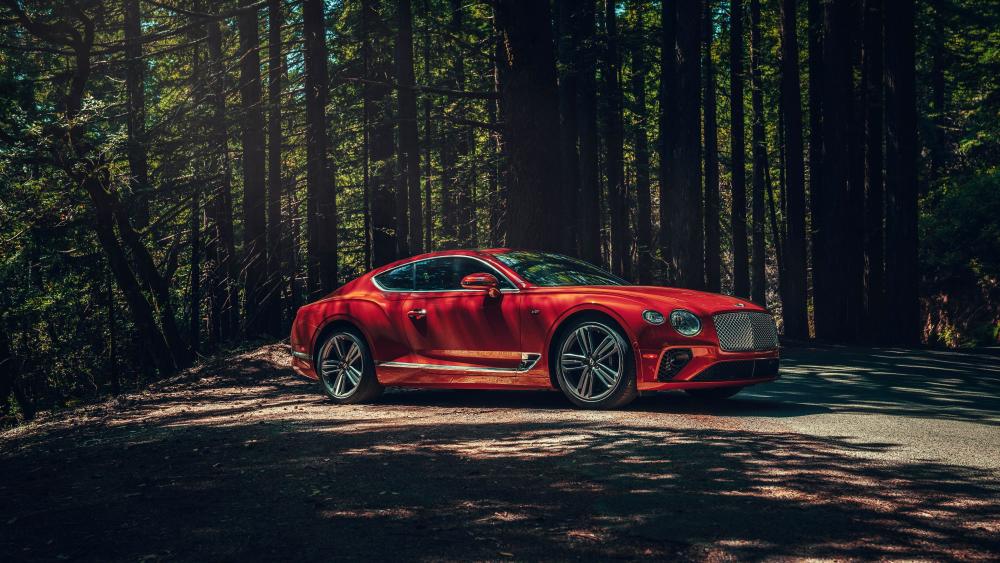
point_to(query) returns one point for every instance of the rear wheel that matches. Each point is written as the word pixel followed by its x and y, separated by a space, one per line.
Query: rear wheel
pixel 346 370
pixel 713 394
pixel 594 365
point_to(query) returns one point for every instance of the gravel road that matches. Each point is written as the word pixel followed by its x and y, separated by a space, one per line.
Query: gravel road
pixel 853 454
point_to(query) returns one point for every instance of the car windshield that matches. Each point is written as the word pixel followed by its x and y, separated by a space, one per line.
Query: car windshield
pixel 548 269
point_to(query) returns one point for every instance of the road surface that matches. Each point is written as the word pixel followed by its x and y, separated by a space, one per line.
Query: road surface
pixel 854 453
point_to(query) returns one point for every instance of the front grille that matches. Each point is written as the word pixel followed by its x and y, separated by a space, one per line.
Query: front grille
pixel 738 370
pixel 746 331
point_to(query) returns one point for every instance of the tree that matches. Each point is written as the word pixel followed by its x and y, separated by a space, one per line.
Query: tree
pixel 873 72
pixel 135 87
pixel 644 214
pixel 321 201
pixel 531 110
pixel 567 51
pixel 737 135
pixel 409 146
pixel 902 269
pixel 668 109
pixel 254 194
pixel 758 281
pixel 386 227
pixel 275 182
pixel 685 218
pixel 713 247
pixel 589 223
pixel 795 287
pixel 614 136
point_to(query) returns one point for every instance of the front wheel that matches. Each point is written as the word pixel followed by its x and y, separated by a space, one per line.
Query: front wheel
pixel 594 366
pixel 346 370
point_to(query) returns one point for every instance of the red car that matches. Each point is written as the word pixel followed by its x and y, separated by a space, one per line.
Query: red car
pixel 516 319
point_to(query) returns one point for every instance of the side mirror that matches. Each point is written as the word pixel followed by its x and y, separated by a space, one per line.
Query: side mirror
pixel 483 281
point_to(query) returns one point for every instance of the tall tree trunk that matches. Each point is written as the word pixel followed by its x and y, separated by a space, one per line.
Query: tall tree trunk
pixel 902 268
pixel 794 286
pixel 498 207
pixel 531 110
pixel 686 216
pixel 568 50
pixel 321 198
pixel 194 327
pixel 832 199
pixel 428 133
pixel 644 214
pixel 741 263
pixel 254 194
pixel 668 131
pixel 459 134
pixel 381 142
pixel 589 209
pixel 758 279
pixel 225 290
pixel 938 147
pixel 820 266
pixel 409 144
pixel 614 139
pixel 275 182
pixel 135 72
pixel 713 246
pixel 874 192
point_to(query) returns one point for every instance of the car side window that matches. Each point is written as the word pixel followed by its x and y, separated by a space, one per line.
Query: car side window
pixel 397 279
pixel 445 274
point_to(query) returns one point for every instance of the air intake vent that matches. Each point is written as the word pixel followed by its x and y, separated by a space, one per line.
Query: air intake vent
pixel 746 331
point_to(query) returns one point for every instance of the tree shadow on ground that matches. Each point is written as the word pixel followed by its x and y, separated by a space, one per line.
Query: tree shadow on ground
pixel 249 463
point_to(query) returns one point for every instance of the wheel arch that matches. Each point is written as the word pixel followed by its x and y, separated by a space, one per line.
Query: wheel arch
pixel 589 310
pixel 337 322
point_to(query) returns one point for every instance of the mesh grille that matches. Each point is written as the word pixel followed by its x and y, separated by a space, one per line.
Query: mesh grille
pixel 744 332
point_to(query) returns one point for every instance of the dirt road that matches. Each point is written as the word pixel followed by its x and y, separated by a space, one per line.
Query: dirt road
pixel 853 454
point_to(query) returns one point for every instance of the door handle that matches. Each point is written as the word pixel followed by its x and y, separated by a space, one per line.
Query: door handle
pixel 417 314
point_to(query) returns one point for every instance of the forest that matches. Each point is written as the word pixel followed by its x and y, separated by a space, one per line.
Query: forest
pixel 177 177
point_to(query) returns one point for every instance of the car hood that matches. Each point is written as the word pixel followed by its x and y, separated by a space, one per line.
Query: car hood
pixel 666 299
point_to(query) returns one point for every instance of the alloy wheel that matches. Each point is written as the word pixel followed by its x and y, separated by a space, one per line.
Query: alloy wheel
pixel 342 364
pixel 591 362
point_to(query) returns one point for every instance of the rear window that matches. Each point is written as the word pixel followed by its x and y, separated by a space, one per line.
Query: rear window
pixel 396 279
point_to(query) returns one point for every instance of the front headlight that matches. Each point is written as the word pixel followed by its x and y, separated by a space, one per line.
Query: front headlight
pixel 685 322
pixel 653 317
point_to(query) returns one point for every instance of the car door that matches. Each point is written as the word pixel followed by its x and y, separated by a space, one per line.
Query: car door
pixel 451 329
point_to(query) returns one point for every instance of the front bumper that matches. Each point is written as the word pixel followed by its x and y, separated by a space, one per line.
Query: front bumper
pixel 694 367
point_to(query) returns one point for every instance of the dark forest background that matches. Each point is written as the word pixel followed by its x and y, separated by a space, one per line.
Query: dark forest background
pixel 178 176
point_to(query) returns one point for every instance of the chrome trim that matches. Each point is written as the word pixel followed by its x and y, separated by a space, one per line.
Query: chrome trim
pixel 414 262
pixel 302 356
pixel 528 361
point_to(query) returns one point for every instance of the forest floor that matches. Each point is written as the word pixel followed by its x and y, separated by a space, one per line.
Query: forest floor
pixel 854 453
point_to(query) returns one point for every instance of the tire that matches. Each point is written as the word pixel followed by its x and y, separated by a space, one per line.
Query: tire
pixel 714 394
pixel 350 376
pixel 599 372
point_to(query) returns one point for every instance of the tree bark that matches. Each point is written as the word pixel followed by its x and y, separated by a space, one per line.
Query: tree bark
pixel 758 279
pixel 820 271
pixel 568 49
pixel 275 182
pixel 902 267
pixel 741 271
pixel 409 144
pixel 321 200
pixel 614 139
pixel 685 218
pixel 225 293
pixel 668 132
pixel 794 285
pixel 381 132
pixel 644 215
pixel 429 134
pixel 713 246
pixel 589 208
pixel 254 194
pixel 873 72
pixel 135 72
pixel 531 110
pixel 832 199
